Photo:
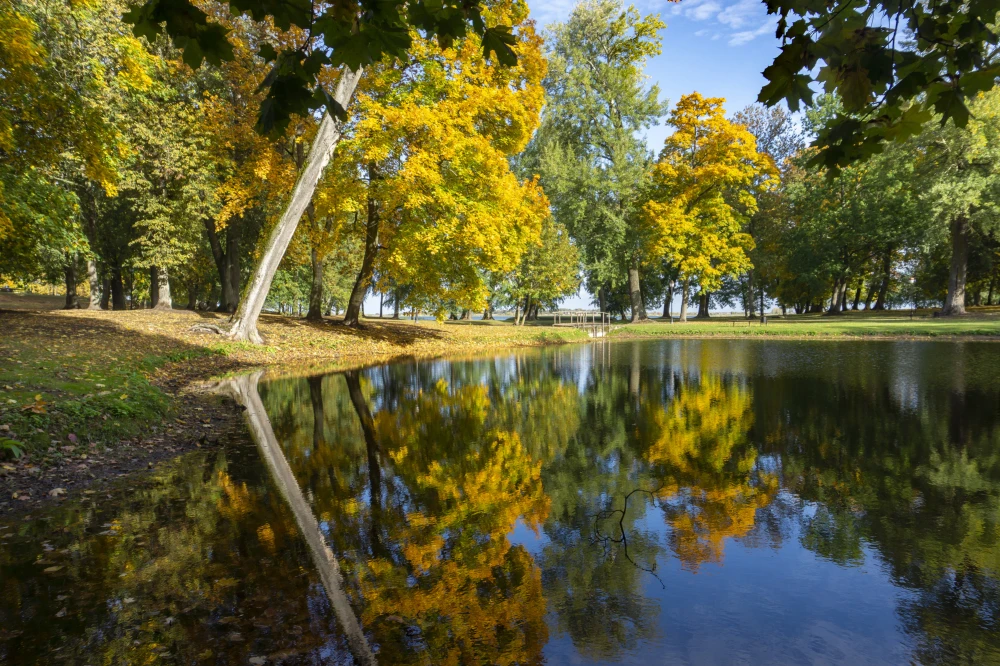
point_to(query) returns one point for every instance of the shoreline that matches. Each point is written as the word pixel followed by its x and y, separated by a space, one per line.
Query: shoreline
pixel 156 358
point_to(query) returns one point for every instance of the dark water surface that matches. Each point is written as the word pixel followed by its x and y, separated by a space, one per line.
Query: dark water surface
pixel 704 502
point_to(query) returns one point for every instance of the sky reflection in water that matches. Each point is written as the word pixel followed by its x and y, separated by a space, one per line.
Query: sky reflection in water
pixel 787 502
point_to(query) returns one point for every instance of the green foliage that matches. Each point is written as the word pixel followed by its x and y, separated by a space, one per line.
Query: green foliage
pixel 356 34
pixel 592 162
pixel 894 65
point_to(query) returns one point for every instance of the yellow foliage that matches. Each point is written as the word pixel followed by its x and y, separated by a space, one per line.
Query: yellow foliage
pixel 703 191
pixel 699 441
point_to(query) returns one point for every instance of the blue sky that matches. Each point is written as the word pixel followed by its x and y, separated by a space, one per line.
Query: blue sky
pixel 716 47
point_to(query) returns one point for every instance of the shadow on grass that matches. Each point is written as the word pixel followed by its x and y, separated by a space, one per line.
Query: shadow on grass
pixel 391 331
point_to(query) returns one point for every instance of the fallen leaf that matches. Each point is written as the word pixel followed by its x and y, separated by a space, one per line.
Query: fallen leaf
pixel 52 569
pixel 56 492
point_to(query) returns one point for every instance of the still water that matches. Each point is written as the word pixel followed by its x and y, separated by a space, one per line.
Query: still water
pixel 702 502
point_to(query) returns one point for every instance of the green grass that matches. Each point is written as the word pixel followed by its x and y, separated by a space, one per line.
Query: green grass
pixel 982 323
pixel 80 398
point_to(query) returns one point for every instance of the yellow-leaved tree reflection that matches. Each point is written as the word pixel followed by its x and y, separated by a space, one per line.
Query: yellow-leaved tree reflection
pixel 418 481
pixel 455 579
pixel 698 448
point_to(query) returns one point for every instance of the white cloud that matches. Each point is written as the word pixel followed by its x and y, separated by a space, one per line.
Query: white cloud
pixel 744 36
pixel 742 13
pixel 696 10
pixel 703 11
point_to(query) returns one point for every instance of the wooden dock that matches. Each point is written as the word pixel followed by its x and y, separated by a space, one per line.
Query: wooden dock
pixel 597 324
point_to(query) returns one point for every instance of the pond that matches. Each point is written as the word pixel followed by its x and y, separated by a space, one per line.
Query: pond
pixel 699 502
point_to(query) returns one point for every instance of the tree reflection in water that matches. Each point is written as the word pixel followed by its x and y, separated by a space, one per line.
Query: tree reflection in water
pixel 460 500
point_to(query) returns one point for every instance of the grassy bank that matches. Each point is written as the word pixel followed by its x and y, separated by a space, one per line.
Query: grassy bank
pixel 980 323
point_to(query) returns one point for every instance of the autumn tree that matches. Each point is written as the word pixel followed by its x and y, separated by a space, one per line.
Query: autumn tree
pixel 432 140
pixel 702 190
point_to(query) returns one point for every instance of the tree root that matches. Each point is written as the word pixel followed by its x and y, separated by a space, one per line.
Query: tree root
pixel 209 328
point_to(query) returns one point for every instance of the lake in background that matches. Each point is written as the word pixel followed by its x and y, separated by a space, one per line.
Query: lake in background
pixel 677 501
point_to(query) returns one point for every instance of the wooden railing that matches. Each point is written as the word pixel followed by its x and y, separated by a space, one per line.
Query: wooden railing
pixel 597 324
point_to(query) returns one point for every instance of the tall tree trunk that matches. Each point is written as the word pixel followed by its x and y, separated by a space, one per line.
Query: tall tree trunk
pixel 227 299
pixel 381 303
pixel 356 302
pixel 395 304
pixel 602 298
pixel 835 298
pixel 117 289
pixel 954 303
pixel 95 285
pixel 872 288
pixel 316 290
pixel 883 290
pixel 749 301
pixel 154 280
pixel 162 290
pixel 684 299
pixel 192 296
pixel 106 294
pixel 843 296
pixel 635 295
pixel 762 303
pixel 857 294
pixel 668 299
pixel 989 294
pixel 703 300
pixel 69 272
pixel 327 137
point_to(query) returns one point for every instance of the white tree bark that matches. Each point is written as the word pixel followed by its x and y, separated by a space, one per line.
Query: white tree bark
pixel 95 285
pixel 245 321
pixel 244 390
pixel 162 287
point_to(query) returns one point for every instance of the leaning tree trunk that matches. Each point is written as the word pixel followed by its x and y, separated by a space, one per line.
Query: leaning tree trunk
pixel 635 295
pixel 857 294
pixel 162 290
pixel 244 390
pixel 70 274
pixel 316 290
pixel 684 300
pixel 954 303
pixel 356 303
pixel 327 137
pixel 95 285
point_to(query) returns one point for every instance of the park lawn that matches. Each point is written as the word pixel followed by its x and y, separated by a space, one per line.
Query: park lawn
pixel 980 323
